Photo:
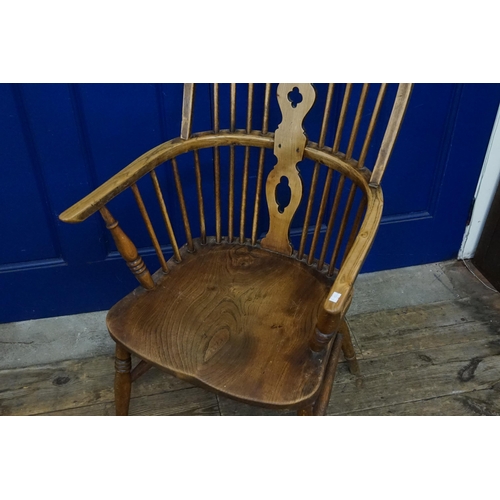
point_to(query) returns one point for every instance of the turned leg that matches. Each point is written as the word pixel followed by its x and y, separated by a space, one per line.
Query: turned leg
pixel 123 382
pixel 321 404
pixel 348 349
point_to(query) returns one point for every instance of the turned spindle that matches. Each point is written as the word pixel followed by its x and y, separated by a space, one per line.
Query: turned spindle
pixel 123 382
pixel 128 250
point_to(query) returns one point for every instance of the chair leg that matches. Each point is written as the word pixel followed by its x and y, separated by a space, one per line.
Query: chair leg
pixel 321 405
pixel 307 411
pixel 348 348
pixel 123 383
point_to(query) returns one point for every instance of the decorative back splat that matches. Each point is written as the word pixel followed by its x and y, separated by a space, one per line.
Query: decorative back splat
pixel 295 101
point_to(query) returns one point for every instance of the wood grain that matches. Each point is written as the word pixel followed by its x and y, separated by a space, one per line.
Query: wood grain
pixel 391 133
pixel 188 402
pixel 73 384
pixel 289 144
pixel 175 147
pixel 187 110
pixel 128 251
pixel 231 318
pixel 416 375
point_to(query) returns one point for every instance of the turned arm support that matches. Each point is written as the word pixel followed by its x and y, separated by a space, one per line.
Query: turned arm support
pixel 128 251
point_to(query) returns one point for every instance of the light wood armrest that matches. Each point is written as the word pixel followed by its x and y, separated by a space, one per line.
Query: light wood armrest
pixel 120 181
pixel 341 291
pixel 151 159
pixel 340 294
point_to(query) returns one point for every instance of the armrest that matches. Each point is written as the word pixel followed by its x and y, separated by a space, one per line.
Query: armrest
pixel 120 181
pixel 154 157
pixel 339 297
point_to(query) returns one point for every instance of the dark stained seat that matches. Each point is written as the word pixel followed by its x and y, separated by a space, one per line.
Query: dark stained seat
pixel 213 319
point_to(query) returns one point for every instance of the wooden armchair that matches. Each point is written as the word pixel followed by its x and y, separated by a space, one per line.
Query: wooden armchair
pixel 247 316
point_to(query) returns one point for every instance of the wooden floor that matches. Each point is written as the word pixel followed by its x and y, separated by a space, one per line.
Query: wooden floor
pixel 433 357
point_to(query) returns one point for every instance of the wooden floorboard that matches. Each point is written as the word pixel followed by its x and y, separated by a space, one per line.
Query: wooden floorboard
pixel 184 402
pixel 436 358
pixel 476 403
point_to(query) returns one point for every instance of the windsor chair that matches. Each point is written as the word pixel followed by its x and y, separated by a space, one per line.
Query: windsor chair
pixel 237 309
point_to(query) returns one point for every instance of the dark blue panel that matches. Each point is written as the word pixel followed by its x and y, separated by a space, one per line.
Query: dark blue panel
pixel 26 225
pixel 419 157
pixel 414 239
pixel 64 166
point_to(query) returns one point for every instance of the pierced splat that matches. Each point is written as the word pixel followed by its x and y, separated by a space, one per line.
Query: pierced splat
pixel 283 194
pixel 295 97
pixel 295 101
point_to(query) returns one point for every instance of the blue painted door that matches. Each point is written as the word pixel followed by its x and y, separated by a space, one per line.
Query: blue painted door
pixel 58 142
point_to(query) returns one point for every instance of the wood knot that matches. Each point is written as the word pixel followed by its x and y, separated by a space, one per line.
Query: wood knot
pixel 215 344
pixel 242 259
pixel 61 380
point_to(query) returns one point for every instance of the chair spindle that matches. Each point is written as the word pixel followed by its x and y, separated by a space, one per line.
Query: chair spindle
pixel 187 110
pixel 166 218
pixel 343 115
pixel 331 221
pixel 314 180
pixel 321 214
pixel 343 224
pixel 149 227
pixel 199 192
pixel 182 203
pixel 246 161
pixel 218 234
pixel 371 126
pixel 231 166
pixel 128 250
pixel 391 132
pixel 260 171
pixel 357 120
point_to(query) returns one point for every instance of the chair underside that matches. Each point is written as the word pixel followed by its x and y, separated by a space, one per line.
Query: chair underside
pixel 236 319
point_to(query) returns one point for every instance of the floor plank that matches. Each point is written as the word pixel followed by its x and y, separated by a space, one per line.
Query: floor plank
pixel 474 403
pixel 419 327
pixel 72 384
pixel 184 402
pixel 417 375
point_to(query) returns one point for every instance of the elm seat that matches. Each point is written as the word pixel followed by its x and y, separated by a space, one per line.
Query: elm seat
pixel 211 321
pixel 265 233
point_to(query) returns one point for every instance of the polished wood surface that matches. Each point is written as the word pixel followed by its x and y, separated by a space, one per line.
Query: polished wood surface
pixel 252 319
pixel 391 133
pixel 289 144
pixel 128 250
pixel 232 318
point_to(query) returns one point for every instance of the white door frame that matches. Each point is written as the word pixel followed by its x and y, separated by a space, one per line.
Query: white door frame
pixel 485 191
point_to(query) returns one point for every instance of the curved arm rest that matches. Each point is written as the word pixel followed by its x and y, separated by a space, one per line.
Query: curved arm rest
pixel 120 181
pixel 340 295
pixel 151 159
